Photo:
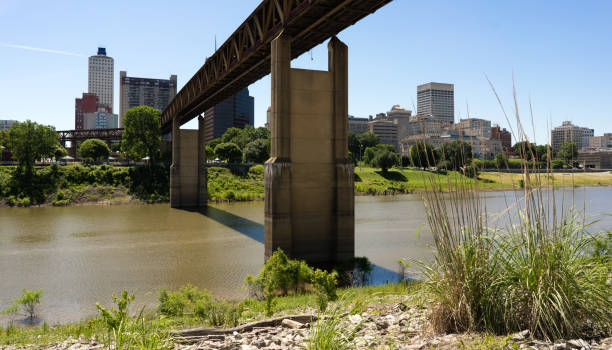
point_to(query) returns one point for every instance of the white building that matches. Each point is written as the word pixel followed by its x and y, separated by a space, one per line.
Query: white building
pixel 100 81
pixel 101 120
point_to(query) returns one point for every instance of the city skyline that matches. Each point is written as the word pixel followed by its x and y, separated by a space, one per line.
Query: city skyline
pixel 544 62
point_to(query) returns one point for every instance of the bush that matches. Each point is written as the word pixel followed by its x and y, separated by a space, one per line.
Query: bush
pixel 220 313
pixel 28 301
pixel 184 301
pixel 470 171
pixel 256 172
pixel 282 276
pixel 557 164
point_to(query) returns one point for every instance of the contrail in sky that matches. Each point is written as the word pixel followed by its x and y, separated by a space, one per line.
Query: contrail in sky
pixel 39 49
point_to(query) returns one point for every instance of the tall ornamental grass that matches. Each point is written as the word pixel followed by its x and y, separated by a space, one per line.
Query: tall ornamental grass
pixel 535 271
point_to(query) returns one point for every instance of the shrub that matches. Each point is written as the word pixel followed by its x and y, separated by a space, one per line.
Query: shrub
pixel 325 284
pixel 557 164
pixel 470 171
pixel 27 302
pixel 256 172
pixel 281 276
pixel 220 313
pixel 183 301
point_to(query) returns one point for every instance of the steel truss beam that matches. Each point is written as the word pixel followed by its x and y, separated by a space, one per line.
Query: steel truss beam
pixel 245 57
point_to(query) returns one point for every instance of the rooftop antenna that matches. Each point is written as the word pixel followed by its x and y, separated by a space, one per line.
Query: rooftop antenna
pixel 215 42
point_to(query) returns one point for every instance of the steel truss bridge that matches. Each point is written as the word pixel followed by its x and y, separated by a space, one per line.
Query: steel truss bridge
pixel 84 134
pixel 245 57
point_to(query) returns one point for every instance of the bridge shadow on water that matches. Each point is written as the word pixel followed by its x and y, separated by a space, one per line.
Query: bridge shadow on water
pixel 255 231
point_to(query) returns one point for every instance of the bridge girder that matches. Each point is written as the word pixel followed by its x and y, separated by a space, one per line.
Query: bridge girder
pixel 245 56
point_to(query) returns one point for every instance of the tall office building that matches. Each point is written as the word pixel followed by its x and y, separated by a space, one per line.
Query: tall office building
pixel 235 111
pixel 101 119
pixel 569 132
pixel 100 82
pixel 438 100
pixel 134 92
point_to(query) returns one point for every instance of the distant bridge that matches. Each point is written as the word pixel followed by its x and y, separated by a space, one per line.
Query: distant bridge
pixel 244 58
pixel 84 134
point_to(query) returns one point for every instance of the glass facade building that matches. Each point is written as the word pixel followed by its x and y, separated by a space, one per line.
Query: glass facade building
pixel 235 111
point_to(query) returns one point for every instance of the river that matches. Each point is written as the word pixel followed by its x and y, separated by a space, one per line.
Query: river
pixel 82 254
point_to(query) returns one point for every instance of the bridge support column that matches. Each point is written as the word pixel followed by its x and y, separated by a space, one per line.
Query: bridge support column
pixel 175 184
pixel 309 196
pixel 202 171
pixel 188 171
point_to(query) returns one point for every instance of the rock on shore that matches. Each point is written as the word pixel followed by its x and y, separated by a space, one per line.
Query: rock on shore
pixel 382 326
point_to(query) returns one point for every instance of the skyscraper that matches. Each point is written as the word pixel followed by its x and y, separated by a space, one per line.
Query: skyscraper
pixel 438 100
pixel 235 111
pixel 100 82
pixel 134 92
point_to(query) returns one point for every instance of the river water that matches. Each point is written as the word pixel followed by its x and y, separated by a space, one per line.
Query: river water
pixel 81 255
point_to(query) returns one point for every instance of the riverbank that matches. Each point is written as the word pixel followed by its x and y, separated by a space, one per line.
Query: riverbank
pixel 392 316
pixel 107 185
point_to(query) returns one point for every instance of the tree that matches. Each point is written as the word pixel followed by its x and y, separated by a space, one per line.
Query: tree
pixel 228 151
pixel 29 141
pixel 385 159
pixel 457 153
pixel 257 151
pixel 500 161
pixel 354 145
pixel 542 152
pixel 422 155
pixel 368 139
pixel 60 152
pixel 94 149
pixel 141 133
pixel 371 152
pixel 568 152
pixel 525 149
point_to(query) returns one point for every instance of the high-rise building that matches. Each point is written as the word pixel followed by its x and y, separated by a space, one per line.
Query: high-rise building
pixel 100 82
pixel 101 119
pixel 438 100
pixel 503 135
pixel 569 132
pixel 235 111
pixel 134 92
pixel 6 124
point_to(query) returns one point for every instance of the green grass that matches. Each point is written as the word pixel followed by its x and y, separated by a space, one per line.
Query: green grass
pixel 223 185
pixel 254 310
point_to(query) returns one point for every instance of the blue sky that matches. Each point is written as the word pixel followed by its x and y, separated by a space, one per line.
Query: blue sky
pixel 560 53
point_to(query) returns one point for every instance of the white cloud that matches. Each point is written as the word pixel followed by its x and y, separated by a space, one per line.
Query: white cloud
pixel 39 49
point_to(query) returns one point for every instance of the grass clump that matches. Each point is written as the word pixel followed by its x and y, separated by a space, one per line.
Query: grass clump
pixel 537 271
pixel 329 331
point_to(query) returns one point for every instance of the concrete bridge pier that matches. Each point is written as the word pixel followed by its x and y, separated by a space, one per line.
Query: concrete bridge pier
pixel 309 195
pixel 188 170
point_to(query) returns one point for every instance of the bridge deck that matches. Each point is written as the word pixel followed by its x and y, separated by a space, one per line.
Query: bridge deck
pixel 245 57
